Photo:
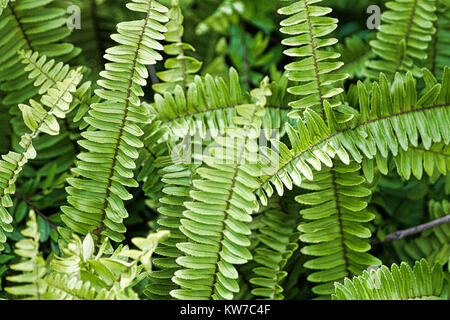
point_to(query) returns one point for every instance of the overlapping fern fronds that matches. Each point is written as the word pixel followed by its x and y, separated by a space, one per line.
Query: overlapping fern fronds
pixel 223 202
pixel 178 179
pixel 30 25
pixel 37 119
pixel 277 241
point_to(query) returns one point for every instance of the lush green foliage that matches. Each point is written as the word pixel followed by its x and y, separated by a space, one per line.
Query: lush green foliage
pixel 238 149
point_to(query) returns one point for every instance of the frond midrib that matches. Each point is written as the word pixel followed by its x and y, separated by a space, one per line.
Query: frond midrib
pixel 190 114
pixel 339 217
pixel 313 49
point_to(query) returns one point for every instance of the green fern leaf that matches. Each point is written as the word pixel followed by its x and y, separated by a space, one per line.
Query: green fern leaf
pixel 181 68
pixel 178 182
pixel 336 228
pixel 403 38
pixel 308 24
pixel 434 246
pixel 96 196
pixel 276 233
pixel 32 267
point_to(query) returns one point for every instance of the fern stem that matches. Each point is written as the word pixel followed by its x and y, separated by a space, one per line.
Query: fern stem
pixel 185 115
pixel 30 204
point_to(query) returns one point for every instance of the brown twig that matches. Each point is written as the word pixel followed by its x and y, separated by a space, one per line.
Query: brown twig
pixel 397 235
pixel 38 212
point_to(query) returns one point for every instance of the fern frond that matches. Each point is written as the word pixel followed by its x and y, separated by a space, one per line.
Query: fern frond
pixel 32 266
pixel 403 38
pixel 389 120
pixel 64 287
pixel 177 181
pixel 336 231
pixel 155 139
pixel 276 233
pixel 308 25
pixel 180 70
pixel 396 283
pixel 47 73
pixel 223 201
pixel 31 25
pixel 96 196
pixel 38 120
pixel 44 73
pixel 208 109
